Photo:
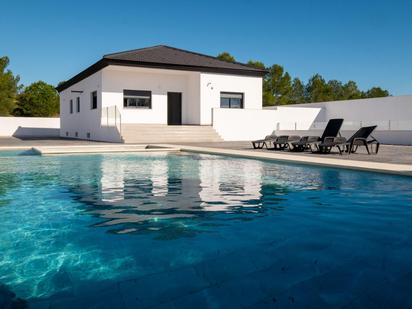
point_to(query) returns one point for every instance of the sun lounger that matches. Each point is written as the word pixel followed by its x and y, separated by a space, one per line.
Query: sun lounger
pixel 305 143
pixel 259 144
pixel 362 137
pixel 330 142
pixel 311 142
pixel 282 142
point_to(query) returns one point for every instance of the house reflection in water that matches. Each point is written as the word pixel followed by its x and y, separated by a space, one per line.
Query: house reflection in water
pixel 139 192
pixel 226 184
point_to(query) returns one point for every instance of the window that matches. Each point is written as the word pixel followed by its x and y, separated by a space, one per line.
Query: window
pixel 231 100
pixel 93 101
pixel 71 106
pixel 78 104
pixel 137 99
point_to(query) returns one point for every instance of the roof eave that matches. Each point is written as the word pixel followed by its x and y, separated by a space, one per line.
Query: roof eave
pixel 104 62
pixel 83 74
pixel 169 66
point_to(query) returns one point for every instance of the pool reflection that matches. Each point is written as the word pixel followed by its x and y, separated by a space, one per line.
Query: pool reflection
pixel 143 192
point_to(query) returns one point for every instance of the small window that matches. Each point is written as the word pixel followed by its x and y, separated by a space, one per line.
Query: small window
pixel 78 104
pixel 231 100
pixel 137 99
pixel 93 100
pixel 71 106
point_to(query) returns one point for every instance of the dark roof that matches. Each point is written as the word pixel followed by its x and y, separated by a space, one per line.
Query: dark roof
pixel 166 57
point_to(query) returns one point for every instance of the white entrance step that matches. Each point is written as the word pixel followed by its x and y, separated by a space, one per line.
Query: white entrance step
pixel 155 133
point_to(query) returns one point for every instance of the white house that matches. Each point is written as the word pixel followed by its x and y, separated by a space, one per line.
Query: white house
pixel 158 85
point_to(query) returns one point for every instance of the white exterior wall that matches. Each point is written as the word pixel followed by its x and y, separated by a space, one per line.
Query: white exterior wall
pixel 212 84
pixel 88 120
pixel 200 95
pixel 29 126
pixel 191 112
pixel 159 82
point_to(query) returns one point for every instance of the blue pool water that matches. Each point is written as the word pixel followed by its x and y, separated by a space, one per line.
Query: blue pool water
pixel 185 231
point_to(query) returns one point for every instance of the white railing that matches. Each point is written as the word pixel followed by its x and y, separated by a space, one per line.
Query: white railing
pixel 383 125
pixel 111 117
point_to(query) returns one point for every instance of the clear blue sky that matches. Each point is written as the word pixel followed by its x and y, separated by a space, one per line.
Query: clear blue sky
pixel 367 41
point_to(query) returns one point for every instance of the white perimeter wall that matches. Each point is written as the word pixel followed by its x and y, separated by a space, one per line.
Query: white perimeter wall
pixel 212 84
pixel 376 109
pixel 250 124
pixel 29 126
pixel 159 82
pixel 393 115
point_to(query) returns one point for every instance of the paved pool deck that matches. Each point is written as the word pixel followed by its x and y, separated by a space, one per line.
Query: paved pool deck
pixel 331 160
pixel 390 159
pixel 387 153
pixel 20 143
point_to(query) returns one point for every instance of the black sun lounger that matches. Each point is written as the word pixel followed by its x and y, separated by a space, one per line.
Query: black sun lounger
pixel 283 141
pixel 350 145
pixel 260 143
pixel 308 142
pixel 305 143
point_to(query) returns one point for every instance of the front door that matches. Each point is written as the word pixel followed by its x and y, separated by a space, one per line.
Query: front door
pixel 174 108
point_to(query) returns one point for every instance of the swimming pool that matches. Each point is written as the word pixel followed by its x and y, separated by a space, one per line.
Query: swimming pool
pixel 185 230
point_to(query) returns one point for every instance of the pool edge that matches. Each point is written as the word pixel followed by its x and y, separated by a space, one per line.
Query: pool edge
pixel 378 167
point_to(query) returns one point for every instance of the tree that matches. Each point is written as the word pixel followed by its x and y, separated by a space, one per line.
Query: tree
pixel 38 100
pixel 279 89
pixel 351 91
pixel 256 64
pixel 267 96
pixel 336 89
pixel 317 90
pixel 278 86
pixel 225 56
pixel 297 94
pixel 8 88
pixel 376 92
pixel 60 83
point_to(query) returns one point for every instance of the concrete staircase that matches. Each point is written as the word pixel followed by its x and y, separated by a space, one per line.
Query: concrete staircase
pixel 157 133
